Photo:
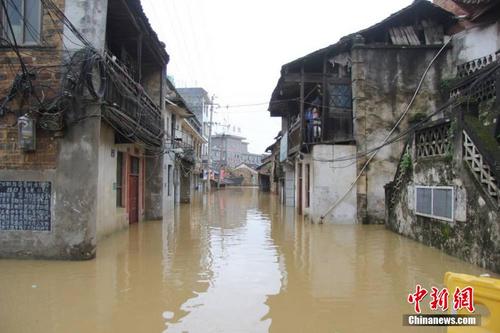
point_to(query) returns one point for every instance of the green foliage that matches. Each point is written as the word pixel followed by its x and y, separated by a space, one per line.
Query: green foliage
pixel 446 231
pixel 446 84
pixel 417 117
pixel 406 163
pixel 485 135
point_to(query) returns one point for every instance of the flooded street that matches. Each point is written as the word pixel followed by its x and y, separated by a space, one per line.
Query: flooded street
pixel 236 261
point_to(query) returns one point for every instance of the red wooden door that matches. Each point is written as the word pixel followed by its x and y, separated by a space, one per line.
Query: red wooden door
pixel 133 191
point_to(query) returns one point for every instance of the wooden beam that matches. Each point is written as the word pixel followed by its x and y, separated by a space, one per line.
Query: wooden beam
pixel 313 78
pixel 139 58
pixel 131 15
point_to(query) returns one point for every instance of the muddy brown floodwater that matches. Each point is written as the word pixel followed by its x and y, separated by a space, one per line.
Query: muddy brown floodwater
pixel 236 261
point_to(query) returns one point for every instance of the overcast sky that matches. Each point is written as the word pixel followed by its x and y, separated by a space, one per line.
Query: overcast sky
pixel 235 49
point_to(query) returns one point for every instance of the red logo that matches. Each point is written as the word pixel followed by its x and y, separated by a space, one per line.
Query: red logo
pixel 417 297
pixel 462 298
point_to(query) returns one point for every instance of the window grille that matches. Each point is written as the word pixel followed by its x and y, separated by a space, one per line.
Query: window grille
pixel 340 96
pixel 435 201
pixel 473 66
pixel 433 141
pixel 480 168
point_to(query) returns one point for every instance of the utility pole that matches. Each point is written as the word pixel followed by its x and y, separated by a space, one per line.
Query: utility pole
pixel 210 141
pixel 222 151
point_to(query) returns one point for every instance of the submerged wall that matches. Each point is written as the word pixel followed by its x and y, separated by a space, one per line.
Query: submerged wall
pixel 289 188
pixel 330 181
pixel 110 216
pixel 70 167
pixel 474 233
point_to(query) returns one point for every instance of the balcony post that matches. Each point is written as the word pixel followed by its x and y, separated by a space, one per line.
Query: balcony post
pixel 301 105
pixel 324 106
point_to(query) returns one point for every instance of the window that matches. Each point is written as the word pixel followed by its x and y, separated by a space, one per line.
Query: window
pixel 340 95
pixel 25 17
pixel 435 202
pixel 119 179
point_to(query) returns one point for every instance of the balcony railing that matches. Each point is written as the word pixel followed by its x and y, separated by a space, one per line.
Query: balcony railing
pixel 294 137
pixel 196 124
pixel 131 109
pixel 433 141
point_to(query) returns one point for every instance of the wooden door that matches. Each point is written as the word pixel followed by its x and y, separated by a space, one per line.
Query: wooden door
pixel 133 191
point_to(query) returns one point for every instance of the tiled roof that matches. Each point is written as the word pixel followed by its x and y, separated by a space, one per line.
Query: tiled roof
pixel 474 2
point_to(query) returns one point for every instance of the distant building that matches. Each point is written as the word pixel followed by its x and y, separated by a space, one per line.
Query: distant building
pixel 184 142
pixel 249 173
pixel 198 102
pixel 231 150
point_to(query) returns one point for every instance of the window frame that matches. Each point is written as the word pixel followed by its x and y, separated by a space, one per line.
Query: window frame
pixel 432 188
pixel 6 33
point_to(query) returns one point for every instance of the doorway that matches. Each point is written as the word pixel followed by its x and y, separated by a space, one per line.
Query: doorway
pixel 133 191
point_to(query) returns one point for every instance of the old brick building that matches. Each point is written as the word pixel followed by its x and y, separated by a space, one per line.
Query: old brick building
pixel 81 130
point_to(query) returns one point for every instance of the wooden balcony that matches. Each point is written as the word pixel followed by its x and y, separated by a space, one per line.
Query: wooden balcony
pixel 129 106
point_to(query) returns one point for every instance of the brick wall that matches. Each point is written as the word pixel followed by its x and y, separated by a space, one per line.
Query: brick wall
pixel 11 157
pixel 45 60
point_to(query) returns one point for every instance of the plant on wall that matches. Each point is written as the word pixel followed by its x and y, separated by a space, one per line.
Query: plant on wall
pixel 406 163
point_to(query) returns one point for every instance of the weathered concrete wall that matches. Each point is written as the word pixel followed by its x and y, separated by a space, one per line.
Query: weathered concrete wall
pixel 169 174
pixel 177 184
pixel 306 162
pixel 474 234
pixel 476 42
pixel 110 218
pixel 89 17
pixel 152 83
pixel 289 190
pixel 153 190
pixel 383 81
pixel 168 200
pixel 330 181
pixel 73 201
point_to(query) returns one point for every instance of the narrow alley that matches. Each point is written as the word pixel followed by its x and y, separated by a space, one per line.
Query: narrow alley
pixel 232 261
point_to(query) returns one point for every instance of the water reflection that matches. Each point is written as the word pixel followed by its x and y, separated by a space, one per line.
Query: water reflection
pixel 235 261
pixel 237 267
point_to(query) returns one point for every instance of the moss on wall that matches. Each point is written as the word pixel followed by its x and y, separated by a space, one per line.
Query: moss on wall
pixel 382 90
pixel 477 240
